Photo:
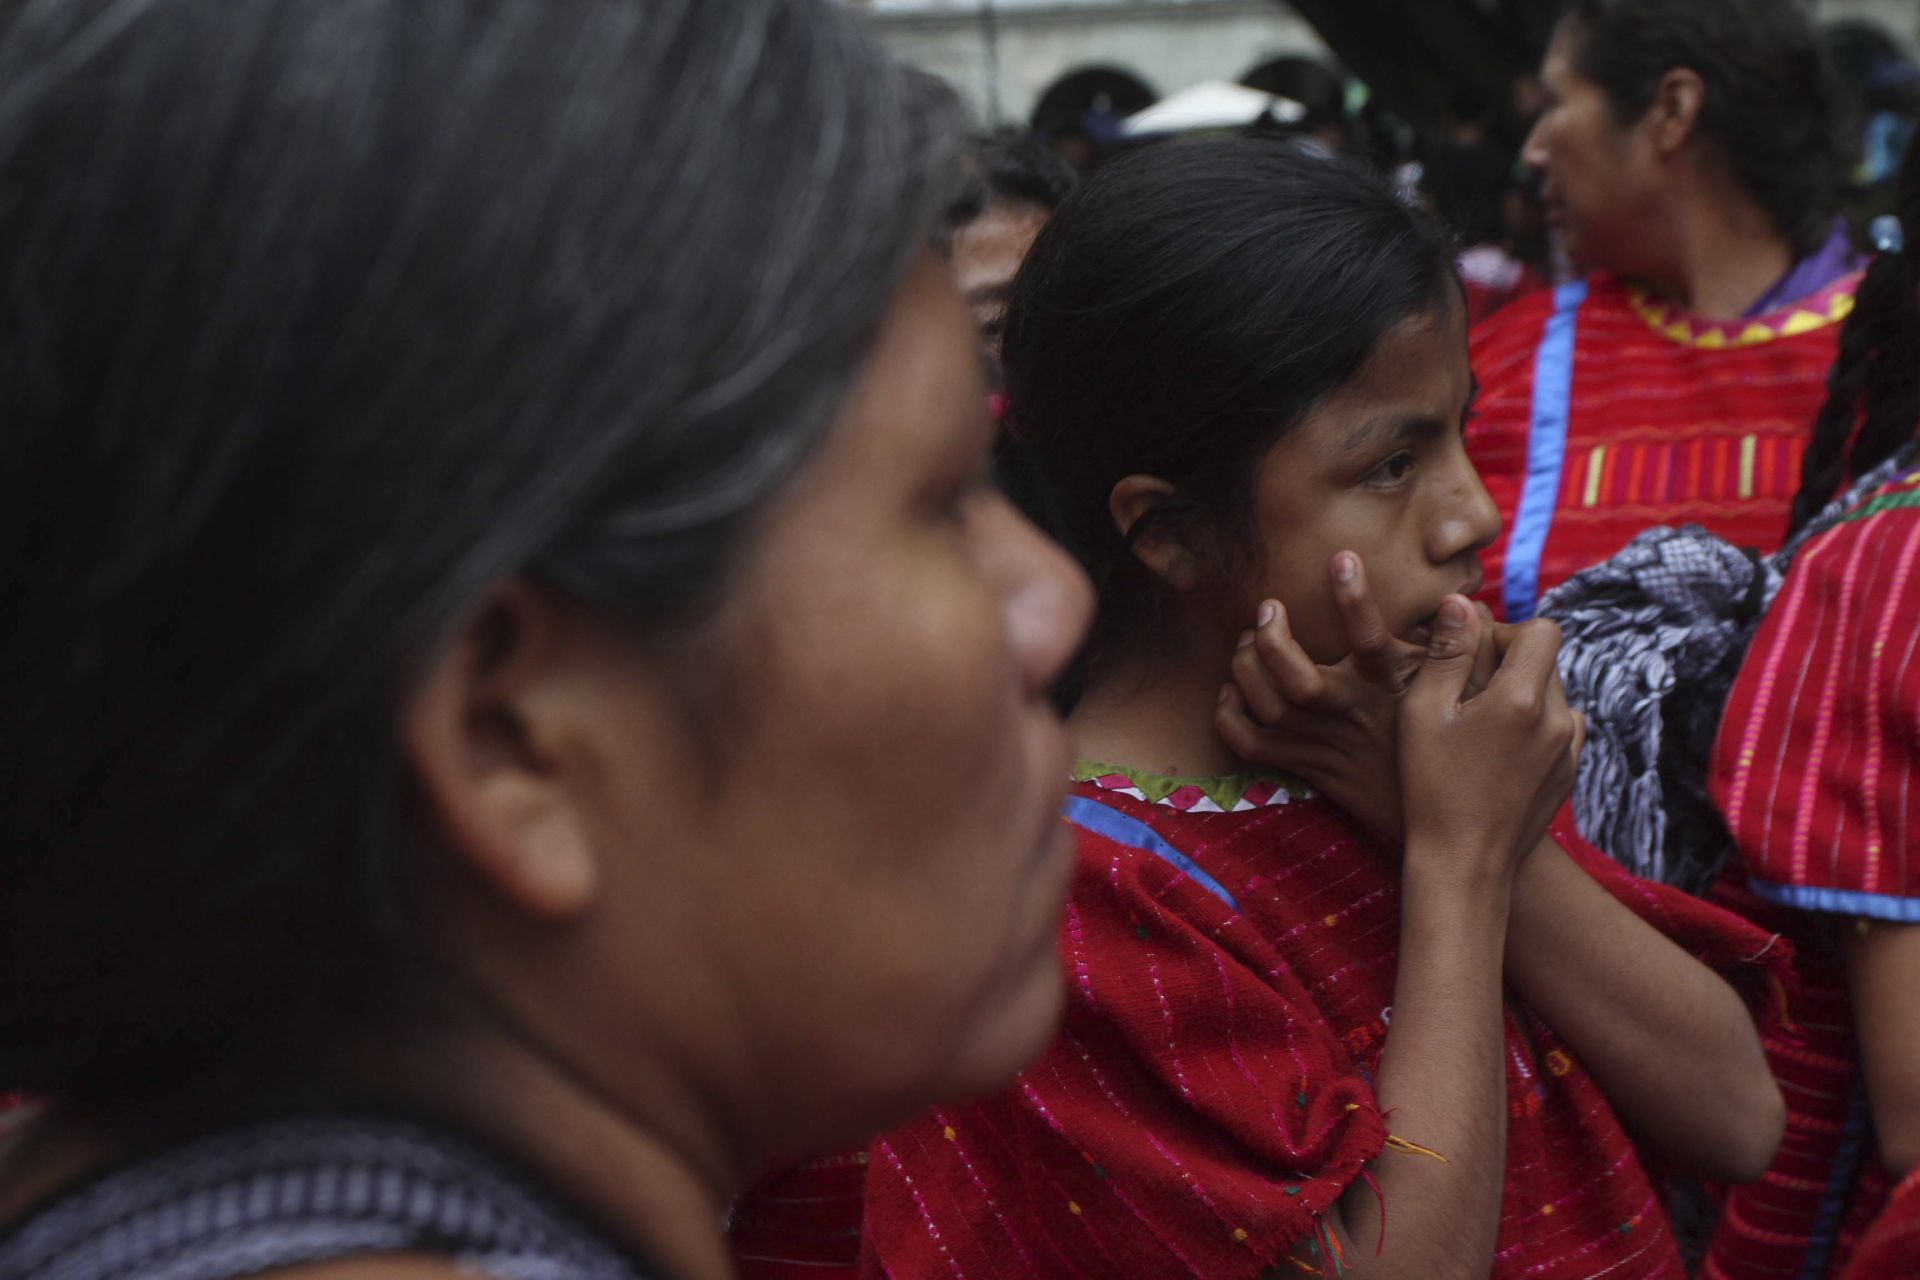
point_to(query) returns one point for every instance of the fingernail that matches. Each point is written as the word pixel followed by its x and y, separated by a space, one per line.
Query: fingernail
pixel 1268 611
pixel 1246 638
pixel 1452 614
pixel 1345 568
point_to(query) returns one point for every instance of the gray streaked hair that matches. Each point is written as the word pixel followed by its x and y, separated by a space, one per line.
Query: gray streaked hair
pixel 316 320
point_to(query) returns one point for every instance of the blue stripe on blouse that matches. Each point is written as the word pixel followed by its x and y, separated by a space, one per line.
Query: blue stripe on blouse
pixel 1840 1179
pixel 1843 902
pixel 1546 452
pixel 1104 820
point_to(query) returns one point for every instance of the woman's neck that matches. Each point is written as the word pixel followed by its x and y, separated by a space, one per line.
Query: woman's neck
pixel 659 1183
pixel 1727 254
pixel 1155 715
pixel 653 1183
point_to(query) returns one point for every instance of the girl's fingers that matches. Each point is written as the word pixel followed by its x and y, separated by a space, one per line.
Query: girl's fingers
pixel 1296 675
pixel 1441 684
pixel 1486 660
pixel 1372 643
pixel 1230 720
pixel 1528 660
pixel 1295 750
pixel 1254 682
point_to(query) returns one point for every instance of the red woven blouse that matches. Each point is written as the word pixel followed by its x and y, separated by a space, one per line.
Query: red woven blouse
pixel 1816 769
pixel 1602 413
pixel 1231 976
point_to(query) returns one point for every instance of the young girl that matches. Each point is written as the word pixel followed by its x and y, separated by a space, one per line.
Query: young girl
pixel 1816 758
pixel 1292 1046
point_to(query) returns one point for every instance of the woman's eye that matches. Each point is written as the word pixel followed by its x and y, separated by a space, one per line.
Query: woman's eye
pixel 1391 472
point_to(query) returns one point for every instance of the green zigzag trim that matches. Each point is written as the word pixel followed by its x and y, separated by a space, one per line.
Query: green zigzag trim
pixel 1885 502
pixel 1224 790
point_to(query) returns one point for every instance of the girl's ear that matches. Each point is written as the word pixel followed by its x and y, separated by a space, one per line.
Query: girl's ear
pixel 1165 555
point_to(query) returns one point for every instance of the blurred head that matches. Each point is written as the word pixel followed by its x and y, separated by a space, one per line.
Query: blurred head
pixel 1014 186
pixel 470 522
pixel 1229 360
pixel 1734 95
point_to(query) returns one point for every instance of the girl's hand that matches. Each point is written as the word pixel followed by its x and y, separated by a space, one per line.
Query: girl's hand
pixel 1333 726
pixel 1481 776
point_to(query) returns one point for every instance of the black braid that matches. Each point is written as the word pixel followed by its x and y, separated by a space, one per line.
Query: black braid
pixel 1893 373
pixel 1875 382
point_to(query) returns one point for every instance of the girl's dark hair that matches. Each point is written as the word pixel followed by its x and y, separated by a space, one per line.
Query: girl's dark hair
pixel 1772 105
pixel 316 320
pixel 1180 313
pixel 1873 391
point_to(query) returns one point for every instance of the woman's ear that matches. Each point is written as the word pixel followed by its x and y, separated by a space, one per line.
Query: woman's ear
pixel 1162 552
pixel 1675 112
pixel 490 735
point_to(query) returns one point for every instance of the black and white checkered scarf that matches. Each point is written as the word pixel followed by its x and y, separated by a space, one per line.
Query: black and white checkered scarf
pixel 1653 640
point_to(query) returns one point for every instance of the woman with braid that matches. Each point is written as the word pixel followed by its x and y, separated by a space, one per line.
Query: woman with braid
pixel 1816 770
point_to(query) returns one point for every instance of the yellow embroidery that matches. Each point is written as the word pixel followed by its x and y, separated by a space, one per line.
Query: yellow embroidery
pixel 1594 459
pixel 1705 335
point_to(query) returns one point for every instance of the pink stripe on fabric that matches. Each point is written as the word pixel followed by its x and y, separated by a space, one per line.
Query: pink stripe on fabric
pixel 920 1205
pixel 1795 592
pixel 1233 1042
pixel 1823 724
pixel 1901 837
pixel 1876 729
pixel 1034 1100
pixel 979 1185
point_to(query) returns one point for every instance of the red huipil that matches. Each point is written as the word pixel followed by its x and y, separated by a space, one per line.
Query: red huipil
pixel 1891 1250
pixel 1602 413
pixel 1230 977
pixel 1817 771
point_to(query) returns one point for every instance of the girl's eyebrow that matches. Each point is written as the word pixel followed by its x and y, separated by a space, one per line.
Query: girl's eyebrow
pixel 1376 432
pixel 1390 428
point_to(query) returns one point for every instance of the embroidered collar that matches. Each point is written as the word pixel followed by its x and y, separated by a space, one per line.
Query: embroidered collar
pixel 1820 310
pixel 1228 793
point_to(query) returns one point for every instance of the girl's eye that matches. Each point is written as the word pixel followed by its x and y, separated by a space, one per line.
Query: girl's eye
pixel 1392 472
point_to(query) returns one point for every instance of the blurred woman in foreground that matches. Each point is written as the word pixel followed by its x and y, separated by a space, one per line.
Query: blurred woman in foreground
pixel 482 486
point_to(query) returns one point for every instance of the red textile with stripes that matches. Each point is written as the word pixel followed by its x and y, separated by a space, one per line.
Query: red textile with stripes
pixel 1671 420
pixel 1211 1092
pixel 1892 1248
pixel 1816 769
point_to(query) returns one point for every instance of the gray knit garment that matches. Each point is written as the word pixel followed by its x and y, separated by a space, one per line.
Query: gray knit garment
pixel 304 1190
pixel 1653 639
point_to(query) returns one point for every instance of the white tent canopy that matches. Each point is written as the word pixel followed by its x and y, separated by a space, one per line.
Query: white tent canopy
pixel 1216 104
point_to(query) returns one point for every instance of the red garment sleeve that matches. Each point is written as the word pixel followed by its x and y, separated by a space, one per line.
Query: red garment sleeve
pixel 1891 1248
pixel 1817 765
pixel 1193 1119
pixel 1758 962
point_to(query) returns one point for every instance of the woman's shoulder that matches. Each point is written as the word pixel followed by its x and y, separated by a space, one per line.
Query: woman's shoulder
pixel 327 1194
pixel 413 1266
pixel 1815 756
pixel 1271 872
pixel 1214 831
pixel 1857 569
